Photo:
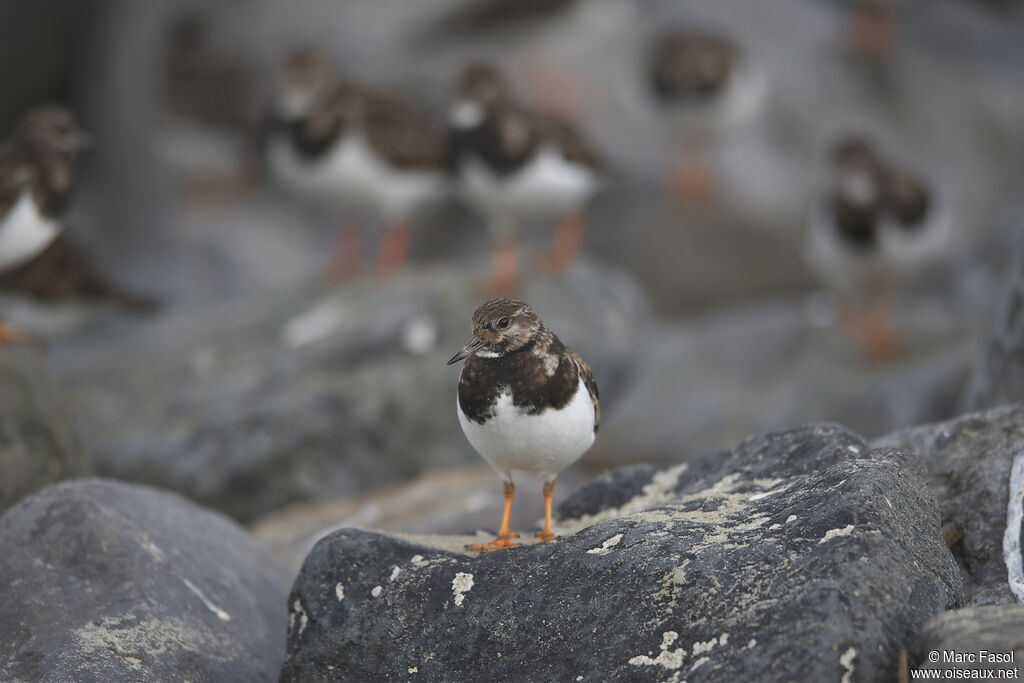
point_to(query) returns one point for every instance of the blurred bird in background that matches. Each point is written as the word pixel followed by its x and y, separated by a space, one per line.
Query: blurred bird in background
pixel 513 165
pixel 703 85
pixel 873 227
pixel 337 142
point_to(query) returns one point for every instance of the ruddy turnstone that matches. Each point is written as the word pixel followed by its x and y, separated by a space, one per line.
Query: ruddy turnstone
pixel 704 85
pixel 341 143
pixel 874 226
pixel 36 166
pixel 513 165
pixel 525 402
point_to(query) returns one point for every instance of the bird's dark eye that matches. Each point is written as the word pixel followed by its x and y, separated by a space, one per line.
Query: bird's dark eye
pixel 503 323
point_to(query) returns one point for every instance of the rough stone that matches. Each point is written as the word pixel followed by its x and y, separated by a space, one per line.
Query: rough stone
pixel 799 555
pixel 103 581
pixel 998 378
pixel 989 638
pixel 37 446
pixel 976 471
pixel 314 394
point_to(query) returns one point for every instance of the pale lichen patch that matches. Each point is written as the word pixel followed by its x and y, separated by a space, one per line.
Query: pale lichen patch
pixel 298 612
pixel 835 533
pixel 846 661
pixel 607 546
pixel 413 669
pixel 377 590
pixel 339 590
pixel 418 561
pixel 669 659
pixel 791 518
pixel 461 584
pixel 395 571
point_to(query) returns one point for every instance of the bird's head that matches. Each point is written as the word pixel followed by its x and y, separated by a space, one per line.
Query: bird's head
pixel 306 75
pixel 51 133
pixel 500 326
pixel 478 88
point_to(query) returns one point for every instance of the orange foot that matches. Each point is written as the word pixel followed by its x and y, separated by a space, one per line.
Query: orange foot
pixel 545 536
pixel 875 334
pixel 10 334
pixel 692 183
pixel 502 541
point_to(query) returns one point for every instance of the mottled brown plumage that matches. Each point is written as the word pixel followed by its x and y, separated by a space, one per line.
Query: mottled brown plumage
pixel 522 357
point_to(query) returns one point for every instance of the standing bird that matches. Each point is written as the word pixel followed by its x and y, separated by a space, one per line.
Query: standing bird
pixel 513 165
pixel 874 226
pixel 36 180
pixel 339 143
pixel 525 402
pixel 704 85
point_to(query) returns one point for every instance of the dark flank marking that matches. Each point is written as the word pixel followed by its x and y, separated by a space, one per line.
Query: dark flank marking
pixel 524 374
pixel 509 136
pixel 400 135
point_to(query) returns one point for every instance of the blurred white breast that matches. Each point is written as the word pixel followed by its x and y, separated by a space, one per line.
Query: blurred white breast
pixel 24 233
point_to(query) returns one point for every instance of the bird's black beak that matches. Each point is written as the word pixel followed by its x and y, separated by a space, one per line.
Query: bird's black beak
pixel 471 346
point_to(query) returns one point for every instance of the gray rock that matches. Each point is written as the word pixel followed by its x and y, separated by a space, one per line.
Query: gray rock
pixel 970 462
pixel 37 446
pixel 799 555
pixel 716 378
pixel 103 581
pixel 999 377
pixel 993 636
pixel 313 394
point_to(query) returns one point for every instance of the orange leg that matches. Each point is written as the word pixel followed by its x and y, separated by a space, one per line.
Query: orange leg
pixel 870 30
pixel 10 334
pixel 692 181
pixel 547 533
pixel 565 245
pixel 345 260
pixel 873 330
pixel 505 535
pixel 393 248
pixel 505 271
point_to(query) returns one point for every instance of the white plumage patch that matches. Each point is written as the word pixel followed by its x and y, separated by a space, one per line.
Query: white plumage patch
pixel 24 233
pixel 548 185
pixel 351 173
pixel 542 444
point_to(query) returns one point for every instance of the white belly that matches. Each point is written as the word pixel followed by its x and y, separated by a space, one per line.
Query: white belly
pixel 24 233
pixel 548 186
pixel 541 444
pixel 345 175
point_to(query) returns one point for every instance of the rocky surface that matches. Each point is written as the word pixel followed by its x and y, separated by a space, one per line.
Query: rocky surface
pixel 976 471
pixel 998 378
pixel 716 378
pixel 315 394
pixel 103 581
pixel 451 501
pixel 796 555
pixel 992 636
pixel 37 444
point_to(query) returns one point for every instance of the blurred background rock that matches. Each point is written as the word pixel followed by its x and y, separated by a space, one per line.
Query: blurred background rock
pixel 257 386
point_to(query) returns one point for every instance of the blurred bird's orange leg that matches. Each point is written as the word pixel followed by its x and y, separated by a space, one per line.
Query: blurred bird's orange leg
pixel 505 270
pixel 692 180
pixel 870 30
pixel 874 331
pixel 547 533
pixel 564 246
pixel 345 260
pixel 393 248
pixel 10 334
pixel 505 535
